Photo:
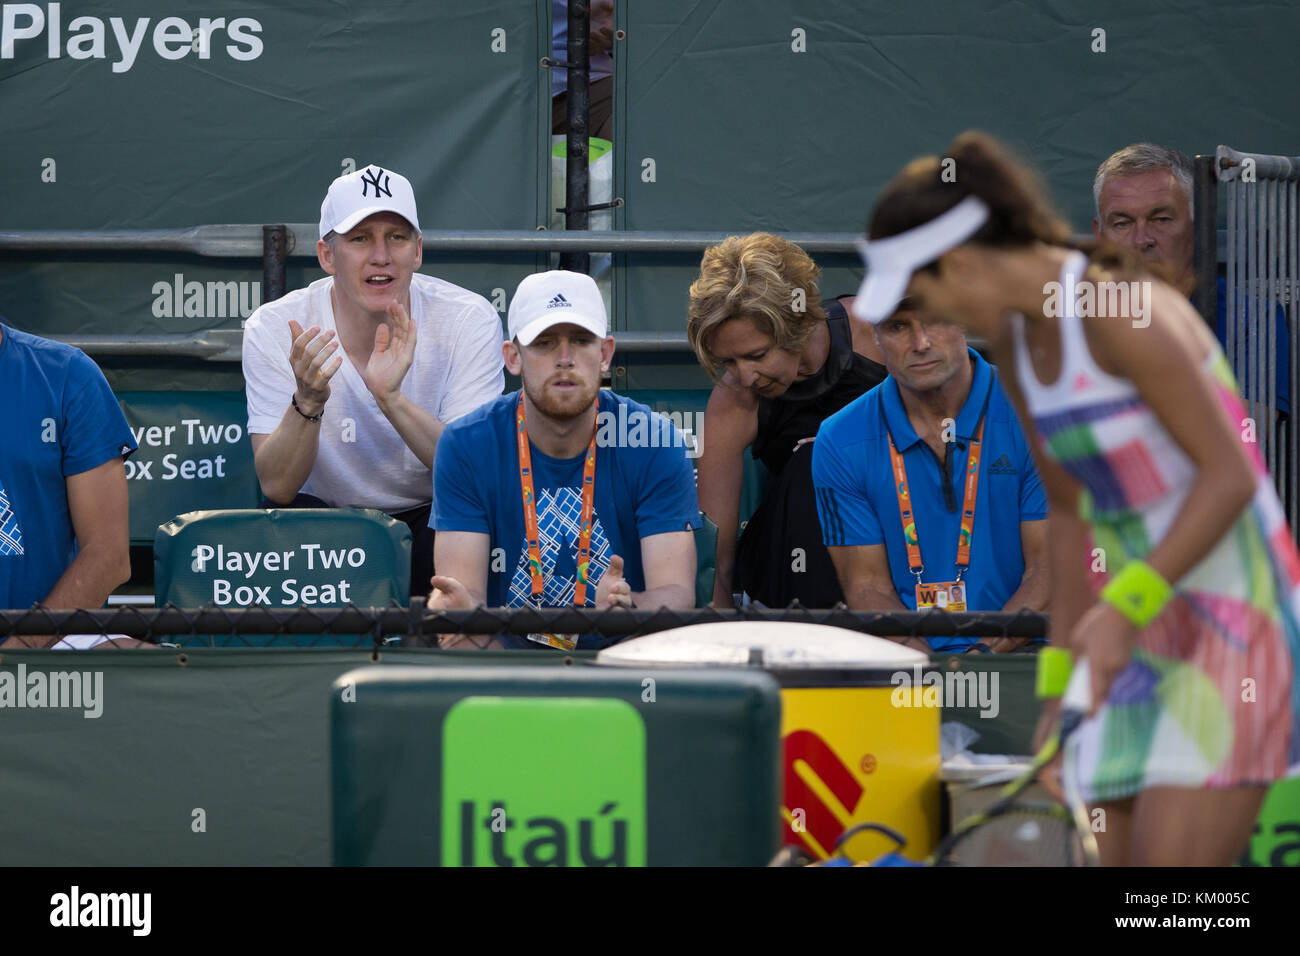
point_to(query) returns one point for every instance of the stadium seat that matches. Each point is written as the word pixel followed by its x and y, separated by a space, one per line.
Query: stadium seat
pixel 706 566
pixel 300 558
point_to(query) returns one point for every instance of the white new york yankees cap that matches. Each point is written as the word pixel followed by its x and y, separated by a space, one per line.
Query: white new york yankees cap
pixel 552 298
pixel 363 193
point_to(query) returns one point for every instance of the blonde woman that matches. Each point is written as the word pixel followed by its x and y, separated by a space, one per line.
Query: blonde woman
pixel 782 361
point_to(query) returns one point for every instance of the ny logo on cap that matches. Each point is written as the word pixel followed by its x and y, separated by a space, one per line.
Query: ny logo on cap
pixel 371 178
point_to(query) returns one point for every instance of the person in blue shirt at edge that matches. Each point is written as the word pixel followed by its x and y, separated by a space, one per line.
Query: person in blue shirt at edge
pixel 945 412
pixel 1143 199
pixel 64 540
pixel 542 457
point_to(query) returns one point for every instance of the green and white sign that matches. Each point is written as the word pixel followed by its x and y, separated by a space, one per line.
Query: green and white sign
pixel 536 781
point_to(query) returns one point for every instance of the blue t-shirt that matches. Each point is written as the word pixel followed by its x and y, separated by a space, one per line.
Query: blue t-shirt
pixel 644 486
pixel 57 418
pixel 857 504
pixel 1282 390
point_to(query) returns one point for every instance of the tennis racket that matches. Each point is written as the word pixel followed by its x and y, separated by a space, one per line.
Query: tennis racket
pixel 1011 832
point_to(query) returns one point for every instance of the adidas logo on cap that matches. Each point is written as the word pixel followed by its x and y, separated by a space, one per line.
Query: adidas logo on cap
pixel 544 299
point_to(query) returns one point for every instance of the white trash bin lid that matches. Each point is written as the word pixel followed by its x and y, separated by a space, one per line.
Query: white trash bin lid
pixel 773 645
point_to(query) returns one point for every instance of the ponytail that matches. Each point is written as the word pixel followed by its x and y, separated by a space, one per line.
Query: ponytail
pixel 1020 211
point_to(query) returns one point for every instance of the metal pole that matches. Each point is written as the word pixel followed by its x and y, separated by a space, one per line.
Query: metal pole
pixel 1282 447
pixel 1271 281
pixel 275 244
pixel 1293 343
pixel 1230 283
pixel 1205 239
pixel 1252 294
pixel 577 171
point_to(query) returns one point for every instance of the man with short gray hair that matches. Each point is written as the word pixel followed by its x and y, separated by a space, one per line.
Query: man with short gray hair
pixel 1143 197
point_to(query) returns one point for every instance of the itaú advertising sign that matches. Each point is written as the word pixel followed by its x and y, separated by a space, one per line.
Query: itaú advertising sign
pixel 24 25
pixel 547 781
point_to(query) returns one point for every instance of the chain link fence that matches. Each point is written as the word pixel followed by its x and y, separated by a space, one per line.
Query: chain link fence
pixel 417 626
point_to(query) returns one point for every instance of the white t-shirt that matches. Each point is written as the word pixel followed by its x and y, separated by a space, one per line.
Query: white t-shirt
pixel 362 461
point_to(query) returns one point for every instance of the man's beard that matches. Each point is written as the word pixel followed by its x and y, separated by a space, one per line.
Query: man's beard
pixel 559 407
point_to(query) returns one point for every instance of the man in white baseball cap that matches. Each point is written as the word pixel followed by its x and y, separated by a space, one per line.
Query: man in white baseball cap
pixel 351 380
pixel 562 493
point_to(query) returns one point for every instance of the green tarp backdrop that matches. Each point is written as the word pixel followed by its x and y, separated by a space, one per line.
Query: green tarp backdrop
pixel 729 115
pixel 244 115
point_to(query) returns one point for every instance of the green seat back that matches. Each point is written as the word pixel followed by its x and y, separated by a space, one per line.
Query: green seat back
pixel 303 558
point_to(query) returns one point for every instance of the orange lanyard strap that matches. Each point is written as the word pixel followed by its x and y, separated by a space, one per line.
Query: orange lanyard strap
pixel 967 529
pixel 531 532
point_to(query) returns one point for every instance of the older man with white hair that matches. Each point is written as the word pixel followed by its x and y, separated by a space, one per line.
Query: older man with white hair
pixel 1143 198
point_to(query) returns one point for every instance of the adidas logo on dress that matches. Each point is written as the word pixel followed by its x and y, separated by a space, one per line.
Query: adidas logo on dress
pixel 559 302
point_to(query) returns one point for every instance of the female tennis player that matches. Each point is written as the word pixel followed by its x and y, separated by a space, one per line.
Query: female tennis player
pixel 1156 491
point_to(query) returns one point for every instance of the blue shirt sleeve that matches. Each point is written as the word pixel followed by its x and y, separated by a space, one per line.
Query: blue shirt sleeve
pixel 1033 500
pixel 667 500
pixel 94 430
pixel 843 507
pixel 459 502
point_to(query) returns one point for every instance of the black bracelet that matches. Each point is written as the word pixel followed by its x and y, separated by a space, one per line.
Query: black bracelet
pixel 311 418
pixel 981 647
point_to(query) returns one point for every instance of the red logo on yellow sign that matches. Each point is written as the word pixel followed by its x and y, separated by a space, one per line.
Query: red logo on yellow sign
pixel 849 757
pixel 820 821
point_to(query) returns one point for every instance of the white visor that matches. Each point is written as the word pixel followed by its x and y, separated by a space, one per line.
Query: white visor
pixel 890 262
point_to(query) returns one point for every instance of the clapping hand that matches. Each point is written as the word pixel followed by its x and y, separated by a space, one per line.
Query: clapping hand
pixel 394 350
pixel 314 362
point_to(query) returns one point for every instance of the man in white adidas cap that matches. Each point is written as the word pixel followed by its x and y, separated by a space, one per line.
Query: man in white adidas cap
pixel 352 379
pixel 562 493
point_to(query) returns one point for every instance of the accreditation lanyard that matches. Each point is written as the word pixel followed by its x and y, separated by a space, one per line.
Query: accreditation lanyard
pixel 531 532
pixel 910 537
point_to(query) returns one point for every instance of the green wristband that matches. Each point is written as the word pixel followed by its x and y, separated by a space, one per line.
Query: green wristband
pixel 1138 592
pixel 1054 667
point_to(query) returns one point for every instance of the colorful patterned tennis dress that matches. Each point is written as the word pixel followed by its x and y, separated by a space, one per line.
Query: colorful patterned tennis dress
pixel 1210 698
